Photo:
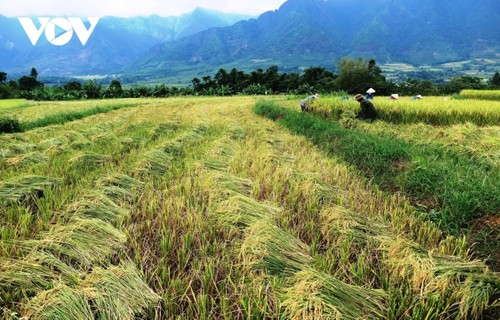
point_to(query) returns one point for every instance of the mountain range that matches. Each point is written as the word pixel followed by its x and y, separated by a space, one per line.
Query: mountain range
pixel 299 34
pixel 115 43
pixel 320 32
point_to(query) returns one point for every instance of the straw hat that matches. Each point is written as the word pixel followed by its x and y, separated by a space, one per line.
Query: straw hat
pixel 359 97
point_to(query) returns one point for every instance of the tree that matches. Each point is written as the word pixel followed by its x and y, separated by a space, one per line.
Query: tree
pixel 115 89
pixel 495 80
pixel 455 85
pixel 73 86
pixel 3 77
pixel 92 90
pixel 13 84
pixel 319 79
pixel 354 76
pixel 271 79
pixel 28 83
pixel 34 73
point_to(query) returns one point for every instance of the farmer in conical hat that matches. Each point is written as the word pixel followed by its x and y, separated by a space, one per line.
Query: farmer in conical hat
pixel 369 93
pixel 305 105
pixel 367 109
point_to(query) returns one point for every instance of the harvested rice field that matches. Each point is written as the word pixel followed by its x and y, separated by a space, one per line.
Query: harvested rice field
pixel 245 208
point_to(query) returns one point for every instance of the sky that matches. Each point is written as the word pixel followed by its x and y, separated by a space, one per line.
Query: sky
pixel 127 8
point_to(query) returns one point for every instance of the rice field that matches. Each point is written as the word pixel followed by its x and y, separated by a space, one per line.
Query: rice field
pixel 198 208
pixel 436 111
pixel 33 110
pixel 12 103
pixel 481 94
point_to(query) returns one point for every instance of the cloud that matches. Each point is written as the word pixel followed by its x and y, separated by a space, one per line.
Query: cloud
pixel 125 8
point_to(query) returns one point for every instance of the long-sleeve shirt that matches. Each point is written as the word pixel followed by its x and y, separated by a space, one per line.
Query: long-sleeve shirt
pixel 367 110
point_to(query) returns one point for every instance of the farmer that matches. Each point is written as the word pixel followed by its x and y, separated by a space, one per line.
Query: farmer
pixel 305 104
pixel 369 94
pixel 367 109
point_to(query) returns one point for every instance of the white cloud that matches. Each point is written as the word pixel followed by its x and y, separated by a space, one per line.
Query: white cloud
pixel 125 8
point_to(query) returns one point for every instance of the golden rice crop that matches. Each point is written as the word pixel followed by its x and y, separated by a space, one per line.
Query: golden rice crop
pixel 481 94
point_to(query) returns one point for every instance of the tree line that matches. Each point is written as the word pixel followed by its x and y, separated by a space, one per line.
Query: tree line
pixel 354 76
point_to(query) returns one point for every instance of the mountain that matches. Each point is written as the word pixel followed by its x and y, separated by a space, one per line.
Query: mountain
pixel 319 32
pixel 115 42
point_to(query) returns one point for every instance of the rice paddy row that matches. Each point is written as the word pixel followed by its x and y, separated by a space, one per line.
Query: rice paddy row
pixel 211 212
pixel 89 241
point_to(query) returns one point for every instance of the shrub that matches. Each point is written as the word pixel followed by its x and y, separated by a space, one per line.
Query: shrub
pixel 10 125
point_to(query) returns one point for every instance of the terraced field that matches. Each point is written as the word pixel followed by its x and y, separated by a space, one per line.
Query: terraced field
pixel 198 208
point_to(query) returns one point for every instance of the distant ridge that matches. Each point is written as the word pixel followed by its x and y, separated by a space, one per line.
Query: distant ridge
pixel 319 32
pixel 116 42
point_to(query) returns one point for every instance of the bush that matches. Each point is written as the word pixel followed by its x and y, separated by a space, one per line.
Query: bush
pixel 10 125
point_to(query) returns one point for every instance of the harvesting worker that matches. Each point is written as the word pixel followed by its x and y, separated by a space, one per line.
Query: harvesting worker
pixel 305 104
pixel 367 109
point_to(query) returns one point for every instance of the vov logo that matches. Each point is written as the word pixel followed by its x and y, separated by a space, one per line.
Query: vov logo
pixel 68 26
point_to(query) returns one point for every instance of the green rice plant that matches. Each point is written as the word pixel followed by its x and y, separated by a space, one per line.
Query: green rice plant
pixel 481 94
pixel 83 244
pixel 118 292
pixel 25 188
pixel 89 160
pixel 60 303
pixel 316 295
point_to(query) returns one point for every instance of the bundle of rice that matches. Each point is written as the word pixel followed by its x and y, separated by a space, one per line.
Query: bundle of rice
pixel 97 205
pixel 35 272
pixel 83 244
pixel 90 160
pixel 27 159
pixel 164 128
pixel 315 295
pixel 230 184
pixel 60 303
pixel 156 162
pixel 242 212
pixel 25 188
pixel 269 248
pixel 119 292
pixel 120 186
pixel 175 148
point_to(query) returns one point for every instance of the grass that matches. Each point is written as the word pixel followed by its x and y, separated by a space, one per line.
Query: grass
pixel 196 208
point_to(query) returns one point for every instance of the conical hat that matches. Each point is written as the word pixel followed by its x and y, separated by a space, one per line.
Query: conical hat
pixel 370 91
